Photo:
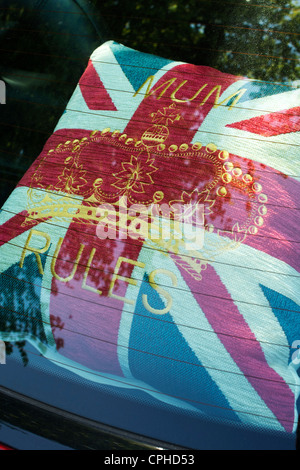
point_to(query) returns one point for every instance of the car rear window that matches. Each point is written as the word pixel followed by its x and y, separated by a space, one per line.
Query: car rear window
pixel 100 99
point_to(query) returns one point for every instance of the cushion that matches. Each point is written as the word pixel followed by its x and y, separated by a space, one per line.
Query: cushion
pixel 201 312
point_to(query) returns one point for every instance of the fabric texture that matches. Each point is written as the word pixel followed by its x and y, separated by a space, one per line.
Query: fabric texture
pixel 212 330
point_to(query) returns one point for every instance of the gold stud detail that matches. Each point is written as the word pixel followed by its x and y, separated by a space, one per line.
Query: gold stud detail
pixel 197 146
pixel 257 187
pixel 247 178
pixel 183 147
pixel 158 196
pixel 263 198
pixel 259 221
pixel 226 178
pixel 237 172
pixel 252 230
pixel 161 147
pixel 223 155
pixel 262 210
pixel 211 148
pixel 228 166
pixel 221 191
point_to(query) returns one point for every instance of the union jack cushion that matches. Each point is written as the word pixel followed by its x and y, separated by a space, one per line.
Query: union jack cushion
pixel 209 327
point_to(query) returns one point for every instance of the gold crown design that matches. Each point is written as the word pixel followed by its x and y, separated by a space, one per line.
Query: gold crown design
pixel 68 198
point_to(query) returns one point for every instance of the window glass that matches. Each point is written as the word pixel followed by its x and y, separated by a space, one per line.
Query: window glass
pixel 45 49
